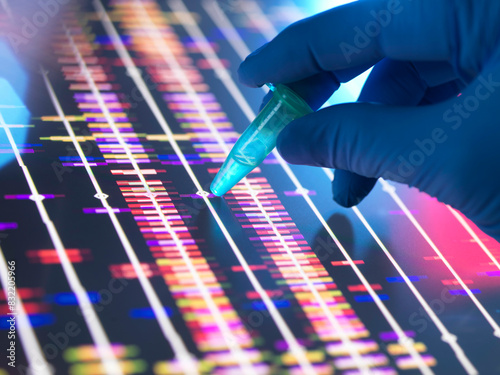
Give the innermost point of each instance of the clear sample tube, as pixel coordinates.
(259, 139)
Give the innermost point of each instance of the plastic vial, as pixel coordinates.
(259, 139)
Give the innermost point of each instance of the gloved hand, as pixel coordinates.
(410, 125)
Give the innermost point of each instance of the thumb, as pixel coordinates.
(371, 140)
(349, 189)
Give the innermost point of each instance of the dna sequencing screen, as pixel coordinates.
(115, 259)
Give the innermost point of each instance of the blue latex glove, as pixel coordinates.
(419, 132)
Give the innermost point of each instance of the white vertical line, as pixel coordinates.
(195, 32)
(473, 234)
(170, 59)
(296, 349)
(29, 341)
(446, 336)
(181, 352)
(97, 332)
(391, 190)
(264, 25)
(240, 47)
(229, 338)
(6, 7)
(227, 29)
(192, 28)
(402, 338)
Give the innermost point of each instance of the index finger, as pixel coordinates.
(353, 35)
